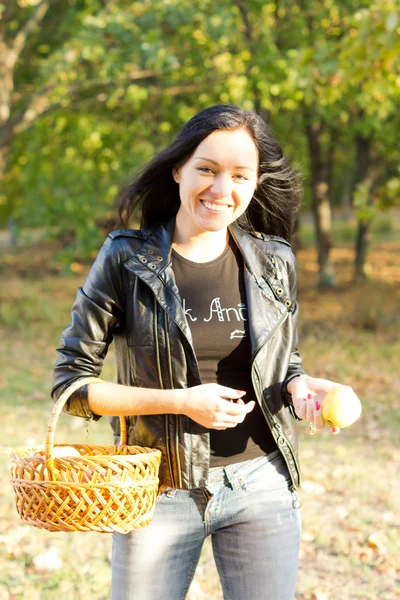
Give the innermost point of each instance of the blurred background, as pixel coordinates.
(89, 91)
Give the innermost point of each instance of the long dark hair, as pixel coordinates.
(276, 198)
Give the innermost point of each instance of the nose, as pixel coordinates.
(222, 186)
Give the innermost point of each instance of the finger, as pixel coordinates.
(227, 392)
(300, 408)
(249, 405)
(335, 430)
(226, 418)
(221, 426)
(309, 401)
(300, 389)
(236, 418)
(300, 392)
(234, 408)
(322, 385)
(318, 420)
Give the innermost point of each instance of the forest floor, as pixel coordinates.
(351, 487)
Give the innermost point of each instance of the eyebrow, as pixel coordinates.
(217, 164)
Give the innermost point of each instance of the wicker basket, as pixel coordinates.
(105, 489)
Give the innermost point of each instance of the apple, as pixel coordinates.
(341, 407)
(89, 475)
(60, 452)
(69, 452)
(64, 452)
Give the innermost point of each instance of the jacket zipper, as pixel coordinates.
(167, 440)
(270, 417)
(172, 387)
(276, 425)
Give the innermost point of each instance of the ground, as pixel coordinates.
(350, 490)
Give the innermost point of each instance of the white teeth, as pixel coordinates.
(216, 207)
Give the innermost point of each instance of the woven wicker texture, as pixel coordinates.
(104, 488)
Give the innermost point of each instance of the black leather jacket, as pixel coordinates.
(130, 296)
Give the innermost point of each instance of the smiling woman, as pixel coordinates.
(201, 304)
(214, 191)
(276, 192)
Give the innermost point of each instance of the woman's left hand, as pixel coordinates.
(308, 394)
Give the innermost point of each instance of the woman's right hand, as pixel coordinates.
(214, 406)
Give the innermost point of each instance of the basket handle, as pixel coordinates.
(55, 413)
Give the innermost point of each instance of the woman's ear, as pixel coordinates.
(176, 174)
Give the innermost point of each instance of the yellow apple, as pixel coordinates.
(341, 407)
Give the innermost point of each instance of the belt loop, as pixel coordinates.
(231, 477)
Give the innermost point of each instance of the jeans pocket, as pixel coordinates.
(270, 473)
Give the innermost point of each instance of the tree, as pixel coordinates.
(369, 62)
(107, 83)
(60, 55)
(293, 49)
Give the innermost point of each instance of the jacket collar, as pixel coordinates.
(152, 264)
(155, 253)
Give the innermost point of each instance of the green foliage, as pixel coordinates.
(368, 203)
(365, 210)
(391, 192)
(112, 82)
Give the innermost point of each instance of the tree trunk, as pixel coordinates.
(4, 150)
(7, 61)
(345, 193)
(6, 137)
(6, 204)
(362, 243)
(363, 146)
(321, 171)
(252, 42)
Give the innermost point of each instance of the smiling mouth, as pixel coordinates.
(219, 208)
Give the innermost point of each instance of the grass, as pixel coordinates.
(383, 228)
(350, 494)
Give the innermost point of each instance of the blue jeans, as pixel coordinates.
(250, 513)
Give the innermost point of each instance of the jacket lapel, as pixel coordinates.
(265, 312)
(152, 264)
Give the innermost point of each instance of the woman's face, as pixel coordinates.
(217, 182)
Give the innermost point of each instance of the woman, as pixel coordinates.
(201, 305)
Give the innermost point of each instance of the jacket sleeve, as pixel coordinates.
(97, 311)
(295, 364)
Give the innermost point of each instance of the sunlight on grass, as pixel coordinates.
(350, 494)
